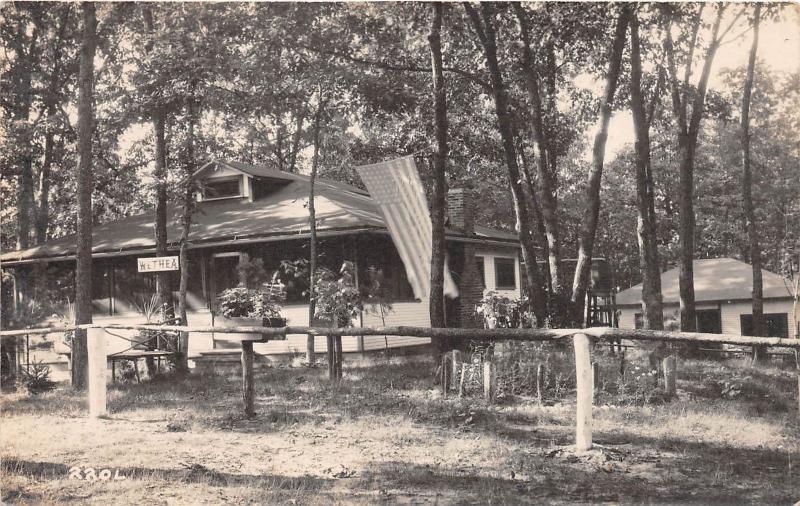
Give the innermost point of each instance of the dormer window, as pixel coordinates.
(222, 188)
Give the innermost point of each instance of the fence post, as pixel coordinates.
(539, 378)
(331, 352)
(96, 347)
(247, 378)
(489, 379)
(337, 341)
(669, 364)
(583, 377)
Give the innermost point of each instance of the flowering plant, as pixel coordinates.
(247, 302)
(499, 311)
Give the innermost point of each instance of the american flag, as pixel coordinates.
(396, 188)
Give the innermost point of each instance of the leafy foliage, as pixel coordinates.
(338, 299)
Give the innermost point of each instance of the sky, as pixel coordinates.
(778, 47)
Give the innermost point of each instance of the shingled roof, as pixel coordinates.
(340, 208)
(715, 279)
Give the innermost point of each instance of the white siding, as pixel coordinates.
(730, 312)
(403, 313)
(731, 324)
(489, 272)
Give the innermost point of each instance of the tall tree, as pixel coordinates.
(583, 269)
(747, 192)
(652, 308)
(688, 130)
(158, 113)
(21, 34)
(187, 211)
(483, 26)
(438, 197)
(83, 274)
(312, 225)
(546, 210)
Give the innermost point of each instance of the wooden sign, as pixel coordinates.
(158, 264)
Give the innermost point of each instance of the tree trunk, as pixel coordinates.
(83, 275)
(583, 269)
(163, 288)
(51, 102)
(311, 356)
(300, 115)
(645, 205)
(486, 34)
(438, 198)
(747, 195)
(190, 164)
(43, 210)
(547, 211)
(687, 144)
(159, 117)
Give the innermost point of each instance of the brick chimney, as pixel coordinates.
(461, 206)
(461, 202)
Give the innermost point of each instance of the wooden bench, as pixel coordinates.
(134, 356)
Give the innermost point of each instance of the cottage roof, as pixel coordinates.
(340, 208)
(715, 279)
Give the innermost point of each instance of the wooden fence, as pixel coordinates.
(582, 339)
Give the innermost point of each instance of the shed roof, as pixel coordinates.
(339, 208)
(715, 279)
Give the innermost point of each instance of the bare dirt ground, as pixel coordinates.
(385, 436)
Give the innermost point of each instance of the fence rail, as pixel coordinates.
(582, 344)
(498, 334)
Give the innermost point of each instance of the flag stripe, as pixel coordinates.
(396, 188)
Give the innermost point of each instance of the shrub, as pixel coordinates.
(36, 379)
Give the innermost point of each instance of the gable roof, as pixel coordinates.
(340, 208)
(715, 279)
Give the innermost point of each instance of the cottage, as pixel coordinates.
(250, 211)
(724, 301)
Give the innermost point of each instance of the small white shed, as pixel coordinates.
(724, 301)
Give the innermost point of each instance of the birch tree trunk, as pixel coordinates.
(482, 23)
(583, 269)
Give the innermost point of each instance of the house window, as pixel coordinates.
(505, 273)
(638, 320)
(777, 324)
(222, 188)
(481, 271)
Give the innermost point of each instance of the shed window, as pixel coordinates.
(777, 324)
(505, 273)
(638, 320)
(222, 188)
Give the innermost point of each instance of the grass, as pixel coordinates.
(385, 435)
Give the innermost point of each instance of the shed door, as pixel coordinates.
(709, 321)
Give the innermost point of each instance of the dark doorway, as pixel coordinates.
(709, 321)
